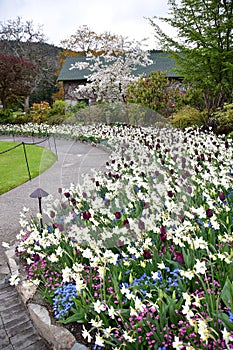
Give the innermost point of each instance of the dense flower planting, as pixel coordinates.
(142, 254)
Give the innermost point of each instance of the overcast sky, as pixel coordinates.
(61, 18)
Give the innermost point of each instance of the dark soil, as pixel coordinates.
(74, 327)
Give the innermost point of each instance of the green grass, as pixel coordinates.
(13, 167)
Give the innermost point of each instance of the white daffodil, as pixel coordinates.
(86, 334)
(98, 307)
(177, 344)
(200, 267)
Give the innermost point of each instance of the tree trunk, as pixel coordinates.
(26, 104)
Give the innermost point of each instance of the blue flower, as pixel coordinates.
(230, 316)
(63, 300)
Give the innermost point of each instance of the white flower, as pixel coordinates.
(96, 323)
(128, 337)
(188, 274)
(177, 344)
(203, 330)
(200, 267)
(102, 271)
(111, 312)
(227, 336)
(39, 216)
(87, 253)
(107, 332)
(86, 334)
(14, 279)
(53, 257)
(80, 285)
(161, 266)
(99, 340)
(199, 242)
(66, 274)
(187, 298)
(98, 307)
(5, 245)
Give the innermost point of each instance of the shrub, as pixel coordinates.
(187, 116)
(223, 119)
(40, 112)
(5, 116)
(58, 108)
(79, 105)
(154, 92)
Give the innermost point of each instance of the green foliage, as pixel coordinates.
(204, 50)
(223, 118)
(58, 108)
(5, 116)
(153, 92)
(187, 116)
(79, 105)
(192, 97)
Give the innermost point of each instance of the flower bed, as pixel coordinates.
(142, 253)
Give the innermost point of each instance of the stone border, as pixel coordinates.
(58, 337)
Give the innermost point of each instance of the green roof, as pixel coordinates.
(161, 61)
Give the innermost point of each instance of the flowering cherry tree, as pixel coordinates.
(111, 73)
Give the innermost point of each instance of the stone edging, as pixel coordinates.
(58, 337)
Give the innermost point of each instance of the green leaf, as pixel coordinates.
(225, 319)
(79, 316)
(227, 294)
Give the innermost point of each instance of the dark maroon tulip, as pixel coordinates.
(36, 257)
(86, 215)
(179, 257)
(162, 230)
(73, 201)
(171, 171)
(181, 217)
(163, 237)
(67, 194)
(222, 196)
(117, 215)
(52, 214)
(126, 223)
(147, 254)
(120, 244)
(209, 213)
(141, 225)
(170, 194)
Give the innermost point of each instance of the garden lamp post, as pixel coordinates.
(39, 193)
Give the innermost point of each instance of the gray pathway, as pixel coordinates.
(74, 160)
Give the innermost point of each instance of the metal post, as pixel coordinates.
(26, 159)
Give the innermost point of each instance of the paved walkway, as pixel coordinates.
(74, 160)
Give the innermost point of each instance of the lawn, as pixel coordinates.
(13, 164)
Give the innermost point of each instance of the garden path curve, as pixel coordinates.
(74, 160)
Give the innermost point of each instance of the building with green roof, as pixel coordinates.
(73, 78)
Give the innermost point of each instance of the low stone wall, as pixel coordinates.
(55, 335)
